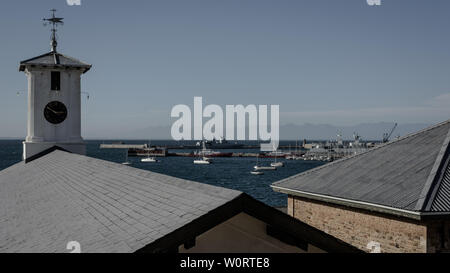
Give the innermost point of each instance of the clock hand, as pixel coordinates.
(51, 110)
(56, 112)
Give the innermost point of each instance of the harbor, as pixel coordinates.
(230, 172)
(326, 151)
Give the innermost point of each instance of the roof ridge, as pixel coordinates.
(73, 58)
(37, 57)
(44, 153)
(368, 151)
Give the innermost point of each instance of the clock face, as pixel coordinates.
(55, 112)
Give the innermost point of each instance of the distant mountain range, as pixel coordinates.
(368, 131)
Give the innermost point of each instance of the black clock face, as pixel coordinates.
(55, 112)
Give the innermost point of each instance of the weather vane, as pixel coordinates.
(54, 22)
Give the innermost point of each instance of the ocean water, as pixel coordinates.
(233, 173)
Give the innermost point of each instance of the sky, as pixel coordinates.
(338, 62)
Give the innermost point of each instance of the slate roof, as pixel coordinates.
(54, 59)
(404, 176)
(108, 207)
(100, 204)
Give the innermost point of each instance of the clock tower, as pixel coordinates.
(54, 100)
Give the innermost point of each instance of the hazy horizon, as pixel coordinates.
(368, 131)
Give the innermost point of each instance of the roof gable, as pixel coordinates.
(55, 59)
(399, 174)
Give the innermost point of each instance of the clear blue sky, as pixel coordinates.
(338, 62)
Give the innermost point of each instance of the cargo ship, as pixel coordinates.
(220, 144)
(148, 151)
(206, 152)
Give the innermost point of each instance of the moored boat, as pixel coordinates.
(202, 161)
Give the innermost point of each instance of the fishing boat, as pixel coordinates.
(149, 159)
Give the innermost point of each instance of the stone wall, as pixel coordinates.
(371, 232)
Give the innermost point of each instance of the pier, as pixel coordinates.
(123, 146)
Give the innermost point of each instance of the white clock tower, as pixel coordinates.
(54, 100)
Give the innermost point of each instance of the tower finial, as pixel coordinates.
(54, 21)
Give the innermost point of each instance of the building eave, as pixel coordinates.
(82, 65)
(414, 215)
(84, 68)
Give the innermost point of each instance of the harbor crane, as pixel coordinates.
(387, 136)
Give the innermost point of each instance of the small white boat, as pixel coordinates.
(256, 173)
(149, 160)
(203, 161)
(257, 168)
(126, 163)
(264, 168)
(277, 164)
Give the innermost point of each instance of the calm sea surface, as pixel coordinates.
(233, 173)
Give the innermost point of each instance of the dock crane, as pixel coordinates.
(387, 136)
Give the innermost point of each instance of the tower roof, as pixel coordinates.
(408, 177)
(55, 60)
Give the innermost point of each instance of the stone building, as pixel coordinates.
(392, 198)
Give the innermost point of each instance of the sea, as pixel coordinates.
(232, 173)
